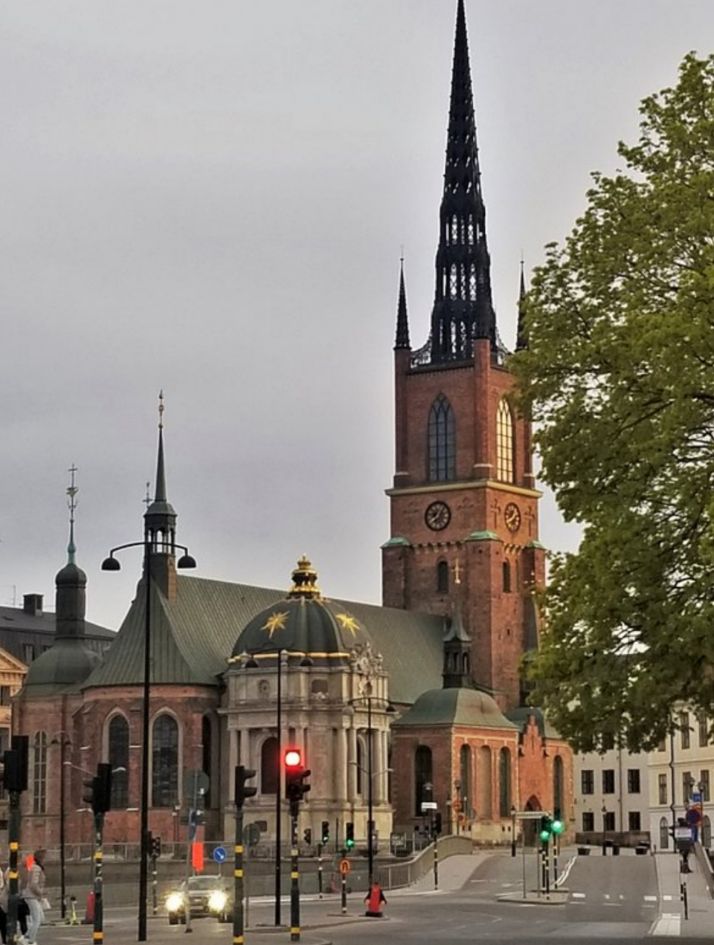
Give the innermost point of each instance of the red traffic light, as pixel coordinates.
(293, 758)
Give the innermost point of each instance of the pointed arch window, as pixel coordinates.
(506, 568)
(485, 801)
(39, 773)
(118, 754)
(504, 442)
(441, 441)
(422, 776)
(269, 767)
(164, 762)
(453, 281)
(207, 754)
(442, 577)
(467, 798)
(558, 783)
(504, 782)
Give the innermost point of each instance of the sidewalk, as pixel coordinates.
(454, 872)
(671, 920)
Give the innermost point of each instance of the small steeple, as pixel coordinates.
(305, 580)
(70, 581)
(160, 517)
(457, 644)
(402, 340)
(463, 306)
(521, 334)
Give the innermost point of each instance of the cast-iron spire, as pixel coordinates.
(463, 307)
(521, 334)
(402, 340)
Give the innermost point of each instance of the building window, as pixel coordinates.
(4, 739)
(441, 441)
(587, 781)
(558, 781)
(165, 763)
(269, 767)
(704, 785)
(506, 567)
(633, 781)
(634, 821)
(39, 773)
(608, 820)
(703, 731)
(663, 834)
(484, 807)
(206, 755)
(608, 741)
(28, 652)
(504, 442)
(608, 781)
(465, 775)
(588, 821)
(504, 782)
(687, 786)
(662, 788)
(662, 745)
(442, 577)
(359, 767)
(422, 777)
(118, 739)
(684, 726)
(4, 695)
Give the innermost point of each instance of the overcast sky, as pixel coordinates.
(210, 198)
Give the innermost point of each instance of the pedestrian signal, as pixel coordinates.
(325, 832)
(349, 836)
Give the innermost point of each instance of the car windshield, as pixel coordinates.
(204, 882)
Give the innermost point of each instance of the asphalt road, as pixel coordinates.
(610, 899)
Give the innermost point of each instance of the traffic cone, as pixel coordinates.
(89, 910)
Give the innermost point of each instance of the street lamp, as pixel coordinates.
(63, 741)
(604, 830)
(112, 564)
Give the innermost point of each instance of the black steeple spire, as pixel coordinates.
(160, 517)
(402, 340)
(463, 307)
(521, 334)
(71, 581)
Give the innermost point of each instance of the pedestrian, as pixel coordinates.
(374, 899)
(34, 896)
(22, 910)
(3, 906)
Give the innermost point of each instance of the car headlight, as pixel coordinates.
(174, 902)
(217, 900)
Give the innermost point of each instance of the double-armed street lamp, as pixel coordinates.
(62, 740)
(112, 564)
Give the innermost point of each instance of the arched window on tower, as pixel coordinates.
(484, 808)
(207, 755)
(558, 784)
(422, 775)
(118, 754)
(39, 773)
(504, 442)
(164, 762)
(504, 783)
(269, 767)
(467, 798)
(441, 441)
(506, 567)
(442, 577)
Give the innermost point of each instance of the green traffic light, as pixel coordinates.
(544, 836)
(349, 844)
(557, 826)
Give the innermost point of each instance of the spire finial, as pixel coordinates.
(72, 491)
(402, 339)
(147, 500)
(160, 494)
(161, 410)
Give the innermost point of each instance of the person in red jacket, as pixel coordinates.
(374, 899)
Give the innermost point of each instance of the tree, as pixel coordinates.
(618, 376)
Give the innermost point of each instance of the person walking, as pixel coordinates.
(34, 896)
(3, 906)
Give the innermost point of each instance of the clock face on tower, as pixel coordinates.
(437, 516)
(512, 517)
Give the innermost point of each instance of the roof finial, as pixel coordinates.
(72, 491)
(161, 410)
(147, 498)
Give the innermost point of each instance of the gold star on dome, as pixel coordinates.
(348, 623)
(275, 622)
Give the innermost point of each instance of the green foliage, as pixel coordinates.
(619, 379)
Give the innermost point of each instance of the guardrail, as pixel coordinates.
(395, 875)
(706, 867)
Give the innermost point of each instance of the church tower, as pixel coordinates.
(464, 493)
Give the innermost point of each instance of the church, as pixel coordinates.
(421, 699)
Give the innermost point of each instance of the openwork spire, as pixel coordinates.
(160, 494)
(402, 340)
(463, 306)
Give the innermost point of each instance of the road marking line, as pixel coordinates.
(650, 899)
(668, 898)
(578, 895)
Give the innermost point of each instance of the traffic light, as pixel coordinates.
(349, 835)
(437, 822)
(155, 847)
(546, 826)
(557, 826)
(325, 832)
(15, 764)
(98, 791)
(296, 775)
(307, 836)
(243, 790)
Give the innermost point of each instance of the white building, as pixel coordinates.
(611, 793)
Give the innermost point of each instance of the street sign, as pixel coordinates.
(696, 798)
(345, 867)
(682, 833)
(530, 814)
(219, 854)
(428, 805)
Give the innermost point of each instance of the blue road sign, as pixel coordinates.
(219, 854)
(696, 798)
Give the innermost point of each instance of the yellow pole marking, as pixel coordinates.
(294, 875)
(238, 848)
(238, 873)
(14, 846)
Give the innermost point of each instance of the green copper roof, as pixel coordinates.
(61, 668)
(194, 636)
(483, 536)
(468, 707)
(398, 541)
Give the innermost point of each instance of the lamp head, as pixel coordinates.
(186, 561)
(111, 564)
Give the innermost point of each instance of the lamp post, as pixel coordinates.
(112, 564)
(604, 830)
(63, 741)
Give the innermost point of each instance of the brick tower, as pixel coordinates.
(463, 501)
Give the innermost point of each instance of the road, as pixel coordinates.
(609, 899)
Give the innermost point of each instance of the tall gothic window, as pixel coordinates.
(441, 441)
(484, 807)
(442, 577)
(269, 767)
(558, 783)
(164, 762)
(504, 783)
(504, 442)
(39, 773)
(422, 775)
(207, 755)
(118, 739)
(467, 798)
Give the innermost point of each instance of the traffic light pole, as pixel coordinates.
(98, 934)
(13, 837)
(319, 871)
(294, 875)
(238, 924)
